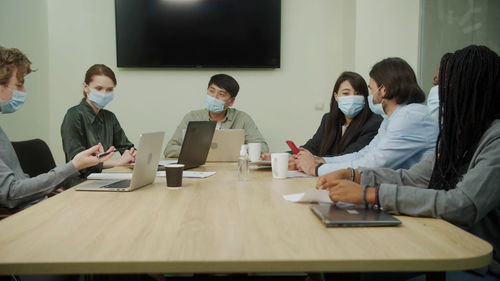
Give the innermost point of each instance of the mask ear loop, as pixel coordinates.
(378, 89)
(87, 94)
(229, 102)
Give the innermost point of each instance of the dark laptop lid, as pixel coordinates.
(196, 143)
(333, 215)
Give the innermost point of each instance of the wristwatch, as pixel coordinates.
(317, 167)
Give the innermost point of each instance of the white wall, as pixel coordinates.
(320, 39)
(23, 24)
(386, 28)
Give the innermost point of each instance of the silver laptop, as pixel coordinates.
(332, 215)
(226, 145)
(146, 163)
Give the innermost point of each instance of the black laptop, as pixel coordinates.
(332, 216)
(196, 143)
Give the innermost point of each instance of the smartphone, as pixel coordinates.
(292, 146)
(105, 153)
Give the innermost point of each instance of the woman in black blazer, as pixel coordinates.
(349, 126)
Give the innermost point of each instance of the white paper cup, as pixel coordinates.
(254, 151)
(279, 164)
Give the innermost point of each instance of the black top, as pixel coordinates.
(360, 140)
(82, 128)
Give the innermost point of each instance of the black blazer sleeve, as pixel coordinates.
(313, 144)
(366, 134)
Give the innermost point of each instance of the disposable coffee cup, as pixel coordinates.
(254, 151)
(279, 165)
(174, 175)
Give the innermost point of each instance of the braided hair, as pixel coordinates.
(469, 101)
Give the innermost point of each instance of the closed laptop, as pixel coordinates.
(332, 216)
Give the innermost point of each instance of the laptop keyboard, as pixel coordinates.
(118, 184)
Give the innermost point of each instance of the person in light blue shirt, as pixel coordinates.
(405, 136)
(433, 103)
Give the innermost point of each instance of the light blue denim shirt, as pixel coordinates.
(433, 103)
(402, 141)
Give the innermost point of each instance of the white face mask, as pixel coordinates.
(14, 103)
(100, 99)
(214, 105)
(351, 105)
(376, 108)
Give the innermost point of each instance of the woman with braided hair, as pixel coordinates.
(459, 182)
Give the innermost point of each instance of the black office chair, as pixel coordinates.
(35, 159)
(34, 156)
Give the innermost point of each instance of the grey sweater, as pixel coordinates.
(474, 204)
(16, 188)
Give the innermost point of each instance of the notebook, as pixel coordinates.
(332, 216)
(226, 145)
(144, 173)
(196, 143)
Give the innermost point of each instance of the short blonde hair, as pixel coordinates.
(10, 60)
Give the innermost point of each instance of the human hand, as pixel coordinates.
(55, 192)
(305, 162)
(265, 156)
(133, 152)
(88, 158)
(291, 162)
(325, 181)
(350, 192)
(346, 191)
(320, 160)
(127, 157)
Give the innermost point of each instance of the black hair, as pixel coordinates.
(399, 80)
(225, 82)
(336, 118)
(469, 84)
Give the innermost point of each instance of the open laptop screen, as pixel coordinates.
(196, 143)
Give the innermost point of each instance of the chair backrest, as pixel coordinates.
(34, 156)
(35, 159)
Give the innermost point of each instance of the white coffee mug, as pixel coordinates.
(279, 164)
(254, 151)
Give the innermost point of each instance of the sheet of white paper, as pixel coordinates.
(297, 174)
(314, 196)
(310, 196)
(161, 174)
(166, 162)
(189, 174)
(110, 176)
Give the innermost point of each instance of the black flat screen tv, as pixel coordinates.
(198, 33)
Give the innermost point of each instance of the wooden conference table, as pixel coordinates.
(219, 224)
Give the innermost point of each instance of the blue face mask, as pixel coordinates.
(376, 108)
(100, 99)
(433, 102)
(214, 105)
(14, 103)
(351, 105)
